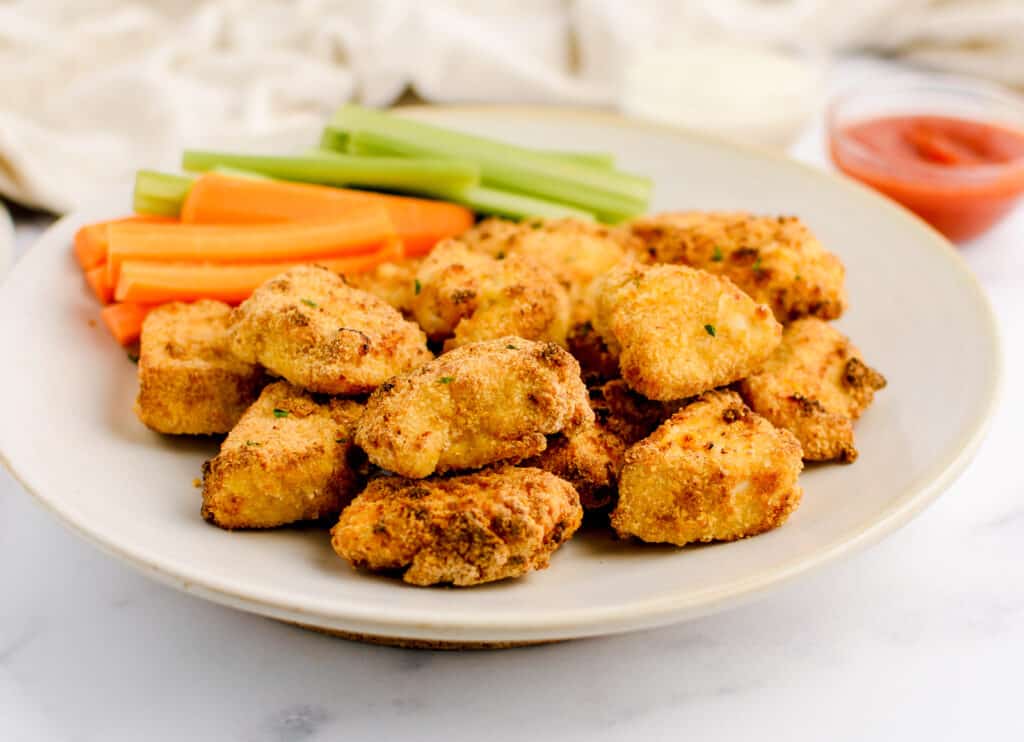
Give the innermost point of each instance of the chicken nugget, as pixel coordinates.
(462, 530)
(679, 331)
(308, 327)
(589, 459)
(576, 252)
(714, 472)
(815, 385)
(774, 259)
(290, 458)
(480, 403)
(189, 381)
(393, 281)
(467, 296)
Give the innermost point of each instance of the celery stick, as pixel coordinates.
(502, 165)
(606, 207)
(160, 194)
(600, 160)
(239, 173)
(151, 206)
(336, 140)
(484, 200)
(426, 176)
(332, 139)
(163, 185)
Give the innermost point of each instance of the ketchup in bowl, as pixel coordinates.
(956, 157)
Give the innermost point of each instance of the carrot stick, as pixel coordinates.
(91, 240)
(359, 231)
(124, 320)
(157, 282)
(97, 280)
(220, 199)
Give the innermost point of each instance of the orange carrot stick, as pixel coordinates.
(154, 283)
(359, 231)
(91, 240)
(97, 280)
(221, 199)
(124, 320)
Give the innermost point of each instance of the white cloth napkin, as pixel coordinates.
(92, 90)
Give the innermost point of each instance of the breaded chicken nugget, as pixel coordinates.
(589, 459)
(189, 381)
(714, 472)
(467, 296)
(480, 403)
(815, 385)
(463, 530)
(576, 252)
(394, 282)
(679, 331)
(307, 326)
(774, 259)
(290, 458)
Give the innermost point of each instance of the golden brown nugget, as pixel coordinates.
(774, 259)
(589, 459)
(714, 472)
(393, 281)
(307, 326)
(462, 530)
(679, 331)
(480, 403)
(290, 458)
(576, 252)
(189, 381)
(815, 385)
(467, 296)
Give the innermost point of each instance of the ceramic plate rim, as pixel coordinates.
(673, 605)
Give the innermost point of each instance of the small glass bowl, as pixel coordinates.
(961, 201)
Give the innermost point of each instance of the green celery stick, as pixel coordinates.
(485, 200)
(332, 139)
(508, 175)
(160, 194)
(239, 173)
(599, 160)
(336, 140)
(502, 165)
(427, 176)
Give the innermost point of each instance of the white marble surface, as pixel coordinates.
(921, 638)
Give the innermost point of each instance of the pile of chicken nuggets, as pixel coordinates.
(459, 417)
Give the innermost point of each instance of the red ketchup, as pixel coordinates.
(959, 175)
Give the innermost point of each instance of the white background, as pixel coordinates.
(922, 637)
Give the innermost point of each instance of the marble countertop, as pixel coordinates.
(921, 637)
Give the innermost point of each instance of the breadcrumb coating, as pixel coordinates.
(394, 282)
(189, 381)
(679, 331)
(466, 296)
(777, 260)
(478, 404)
(307, 326)
(461, 530)
(716, 471)
(290, 458)
(574, 251)
(816, 385)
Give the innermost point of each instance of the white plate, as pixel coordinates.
(68, 432)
